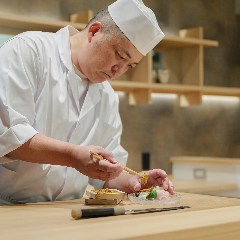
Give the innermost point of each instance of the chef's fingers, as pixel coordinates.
(165, 183)
(156, 173)
(161, 182)
(108, 167)
(171, 188)
(168, 186)
(106, 154)
(135, 184)
(105, 176)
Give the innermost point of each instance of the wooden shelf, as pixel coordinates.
(128, 86)
(186, 49)
(221, 91)
(173, 42)
(18, 24)
(38, 24)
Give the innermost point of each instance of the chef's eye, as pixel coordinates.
(120, 55)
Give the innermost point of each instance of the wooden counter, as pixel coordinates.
(201, 186)
(205, 160)
(209, 217)
(224, 171)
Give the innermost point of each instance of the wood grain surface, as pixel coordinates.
(209, 217)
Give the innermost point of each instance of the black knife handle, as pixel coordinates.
(97, 212)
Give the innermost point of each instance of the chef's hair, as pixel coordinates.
(109, 26)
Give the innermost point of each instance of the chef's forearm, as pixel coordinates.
(44, 150)
(121, 183)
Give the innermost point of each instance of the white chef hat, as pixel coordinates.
(138, 23)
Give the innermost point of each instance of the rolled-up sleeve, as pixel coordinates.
(19, 71)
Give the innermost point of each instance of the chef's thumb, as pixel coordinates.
(135, 186)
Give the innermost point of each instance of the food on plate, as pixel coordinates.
(102, 191)
(156, 193)
(144, 178)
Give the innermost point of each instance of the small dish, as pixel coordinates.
(116, 195)
(171, 199)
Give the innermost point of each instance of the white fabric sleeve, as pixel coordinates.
(113, 144)
(18, 83)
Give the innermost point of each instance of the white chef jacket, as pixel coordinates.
(41, 93)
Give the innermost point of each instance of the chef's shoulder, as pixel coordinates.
(36, 40)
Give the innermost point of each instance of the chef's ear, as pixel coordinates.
(94, 29)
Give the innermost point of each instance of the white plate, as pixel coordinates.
(171, 199)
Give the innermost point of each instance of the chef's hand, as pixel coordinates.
(156, 177)
(85, 163)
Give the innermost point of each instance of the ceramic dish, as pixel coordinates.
(171, 199)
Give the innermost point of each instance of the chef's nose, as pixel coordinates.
(118, 69)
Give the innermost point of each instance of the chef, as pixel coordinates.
(56, 106)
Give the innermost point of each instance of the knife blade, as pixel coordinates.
(156, 209)
(101, 212)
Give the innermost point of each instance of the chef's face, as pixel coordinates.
(108, 57)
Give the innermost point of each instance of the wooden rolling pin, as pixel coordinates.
(144, 176)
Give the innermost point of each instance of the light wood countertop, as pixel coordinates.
(201, 186)
(205, 160)
(209, 217)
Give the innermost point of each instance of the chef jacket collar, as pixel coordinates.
(93, 95)
(82, 76)
(65, 51)
(64, 45)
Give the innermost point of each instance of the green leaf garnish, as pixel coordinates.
(152, 187)
(152, 194)
(137, 194)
